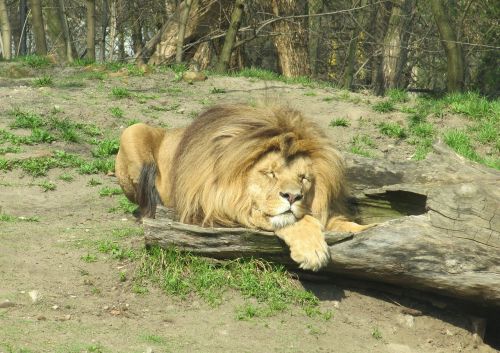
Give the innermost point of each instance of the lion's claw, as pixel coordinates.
(311, 256)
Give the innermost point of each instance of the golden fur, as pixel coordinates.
(267, 168)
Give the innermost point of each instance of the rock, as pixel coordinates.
(7, 304)
(41, 318)
(149, 350)
(34, 295)
(64, 318)
(191, 76)
(398, 348)
(406, 320)
(55, 307)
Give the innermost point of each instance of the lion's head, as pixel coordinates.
(257, 167)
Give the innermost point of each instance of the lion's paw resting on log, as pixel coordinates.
(266, 168)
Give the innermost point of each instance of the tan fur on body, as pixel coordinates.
(267, 168)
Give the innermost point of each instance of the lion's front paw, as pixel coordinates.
(310, 254)
(307, 243)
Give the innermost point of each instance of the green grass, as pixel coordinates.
(106, 148)
(267, 75)
(36, 61)
(120, 92)
(115, 251)
(117, 112)
(460, 142)
(384, 106)
(339, 122)
(108, 191)
(397, 95)
(150, 338)
(89, 258)
(180, 274)
(94, 182)
(10, 149)
(124, 205)
(392, 130)
(44, 81)
(26, 120)
(66, 177)
(47, 185)
(216, 90)
(472, 105)
(376, 333)
(127, 232)
(362, 145)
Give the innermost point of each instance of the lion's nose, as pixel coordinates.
(291, 197)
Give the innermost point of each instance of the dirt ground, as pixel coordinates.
(59, 301)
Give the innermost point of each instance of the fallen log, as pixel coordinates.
(439, 229)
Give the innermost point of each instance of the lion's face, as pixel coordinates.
(281, 190)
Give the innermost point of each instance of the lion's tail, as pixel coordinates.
(147, 195)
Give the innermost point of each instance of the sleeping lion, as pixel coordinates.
(266, 168)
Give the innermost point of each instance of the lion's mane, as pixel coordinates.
(217, 150)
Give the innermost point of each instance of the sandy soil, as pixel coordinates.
(60, 303)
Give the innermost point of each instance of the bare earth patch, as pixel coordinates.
(59, 293)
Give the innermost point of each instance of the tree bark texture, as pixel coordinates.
(91, 30)
(23, 11)
(291, 39)
(453, 50)
(203, 17)
(395, 50)
(182, 30)
(58, 30)
(439, 230)
(314, 7)
(230, 38)
(6, 31)
(379, 28)
(348, 77)
(38, 27)
(136, 25)
(104, 28)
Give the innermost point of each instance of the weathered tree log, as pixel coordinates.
(439, 230)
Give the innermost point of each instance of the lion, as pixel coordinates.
(259, 167)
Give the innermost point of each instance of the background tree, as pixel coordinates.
(38, 27)
(182, 30)
(229, 39)
(91, 30)
(453, 49)
(6, 33)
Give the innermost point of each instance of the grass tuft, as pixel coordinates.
(384, 106)
(120, 92)
(44, 81)
(180, 273)
(339, 122)
(392, 130)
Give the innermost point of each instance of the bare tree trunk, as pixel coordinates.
(227, 48)
(395, 51)
(137, 39)
(23, 10)
(315, 6)
(104, 28)
(70, 47)
(6, 32)
(453, 50)
(58, 30)
(353, 47)
(112, 30)
(291, 43)
(38, 27)
(381, 21)
(91, 29)
(182, 30)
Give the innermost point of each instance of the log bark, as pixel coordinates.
(439, 230)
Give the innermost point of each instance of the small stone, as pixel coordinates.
(149, 350)
(41, 318)
(55, 307)
(64, 318)
(7, 304)
(115, 312)
(336, 304)
(449, 333)
(34, 295)
(105, 307)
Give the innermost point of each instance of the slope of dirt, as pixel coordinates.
(65, 296)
